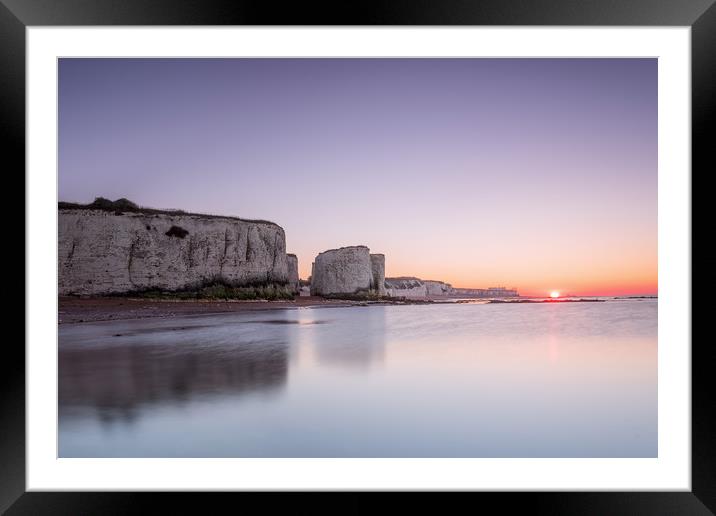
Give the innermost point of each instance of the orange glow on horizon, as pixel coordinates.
(639, 277)
(533, 268)
(554, 294)
(570, 275)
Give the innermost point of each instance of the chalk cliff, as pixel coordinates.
(405, 287)
(377, 266)
(105, 251)
(293, 280)
(348, 270)
(438, 288)
(416, 288)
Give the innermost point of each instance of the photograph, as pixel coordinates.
(378, 257)
(396, 247)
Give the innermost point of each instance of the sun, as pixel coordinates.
(554, 294)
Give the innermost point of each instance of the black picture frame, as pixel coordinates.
(700, 15)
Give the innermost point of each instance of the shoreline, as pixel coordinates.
(77, 310)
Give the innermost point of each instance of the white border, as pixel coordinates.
(670, 471)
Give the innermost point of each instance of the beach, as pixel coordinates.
(94, 309)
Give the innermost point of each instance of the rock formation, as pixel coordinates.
(411, 287)
(377, 267)
(348, 271)
(438, 288)
(293, 280)
(122, 248)
(405, 287)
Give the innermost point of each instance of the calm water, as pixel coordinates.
(467, 380)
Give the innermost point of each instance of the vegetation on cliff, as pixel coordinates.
(217, 290)
(363, 295)
(121, 206)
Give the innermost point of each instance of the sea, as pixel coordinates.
(467, 379)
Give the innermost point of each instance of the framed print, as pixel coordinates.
(402, 249)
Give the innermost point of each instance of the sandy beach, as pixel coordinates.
(92, 309)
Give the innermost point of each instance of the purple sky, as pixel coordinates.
(533, 173)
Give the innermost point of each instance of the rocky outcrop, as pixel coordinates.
(411, 287)
(347, 271)
(342, 271)
(293, 280)
(405, 287)
(108, 250)
(377, 267)
(438, 288)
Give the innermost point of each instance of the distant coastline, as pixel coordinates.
(121, 261)
(118, 248)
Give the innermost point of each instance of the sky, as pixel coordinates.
(537, 174)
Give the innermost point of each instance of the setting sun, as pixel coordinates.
(554, 294)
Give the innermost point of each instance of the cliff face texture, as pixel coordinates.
(342, 271)
(416, 288)
(348, 270)
(292, 263)
(438, 288)
(405, 287)
(103, 252)
(377, 267)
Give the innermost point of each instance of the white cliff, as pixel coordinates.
(347, 271)
(377, 265)
(438, 288)
(101, 251)
(293, 279)
(410, 287)
(405, 287)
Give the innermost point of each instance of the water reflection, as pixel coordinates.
(116, 375)
(360, 347)
(469, 380)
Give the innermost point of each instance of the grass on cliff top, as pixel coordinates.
(375, 298)
(371, 295)
(220, 292)
(123, 205)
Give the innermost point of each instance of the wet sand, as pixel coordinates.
(78, 310)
